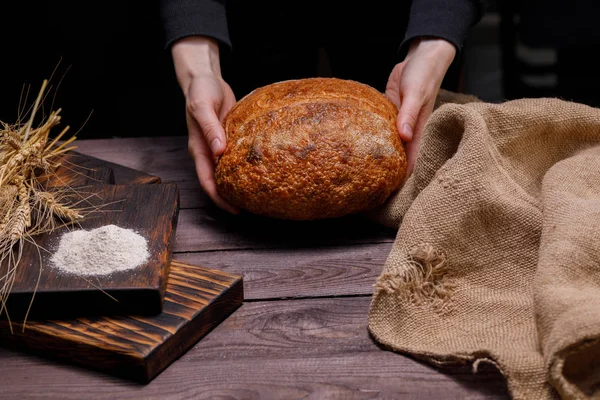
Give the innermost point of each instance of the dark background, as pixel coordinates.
(110, 56)
(115, 73)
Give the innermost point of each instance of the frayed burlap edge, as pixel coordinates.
(423, 278)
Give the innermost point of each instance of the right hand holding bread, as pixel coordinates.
(208, 98)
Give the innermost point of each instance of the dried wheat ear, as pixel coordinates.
(28, 206)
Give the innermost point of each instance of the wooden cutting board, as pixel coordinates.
(135, 347)
(197, 299)
(149, 209)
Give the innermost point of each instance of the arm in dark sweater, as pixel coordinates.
(446, 19)
(183, 18)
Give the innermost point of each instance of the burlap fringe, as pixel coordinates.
(422, 279)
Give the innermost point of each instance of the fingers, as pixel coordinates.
(205, 167)
(412, 147)
(392, 89)
(209, 125)
(416, 106)
(409, 113)
(228, 101)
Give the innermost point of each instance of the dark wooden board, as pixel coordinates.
(77, 177)
(78, 170)
(97, 176)
(139, 348)
(77, 164)
(152, 211)
(295, 349)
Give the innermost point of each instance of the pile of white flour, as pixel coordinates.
(100, 251)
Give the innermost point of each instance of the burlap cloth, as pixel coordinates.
(497, 256)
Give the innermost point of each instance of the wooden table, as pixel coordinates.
(302, 331)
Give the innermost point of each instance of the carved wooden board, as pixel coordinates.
(76, 168)
(151, 211)
(197, 299)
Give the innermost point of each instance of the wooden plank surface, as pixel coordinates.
(314, 348)
(300, 272)
(150, 210)
(202, 231)
(197, 299)
(165, 157)
(296, 347)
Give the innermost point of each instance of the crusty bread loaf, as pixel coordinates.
(310, 149)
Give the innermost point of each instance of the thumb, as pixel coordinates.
(210, 126)
(408, 116)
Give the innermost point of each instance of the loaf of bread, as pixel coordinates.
(310, 149)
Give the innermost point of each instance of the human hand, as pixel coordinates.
(208, 98)
(413, 86)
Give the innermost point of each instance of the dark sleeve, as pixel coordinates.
(183, 18)
(446, 19)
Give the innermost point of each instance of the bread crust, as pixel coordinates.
(311, 149)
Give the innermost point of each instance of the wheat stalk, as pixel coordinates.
(27, 206)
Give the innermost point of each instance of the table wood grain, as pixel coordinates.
(302, 330)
